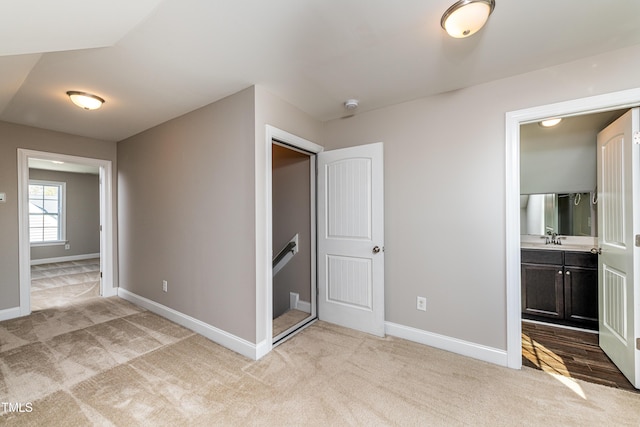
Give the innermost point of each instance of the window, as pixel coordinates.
(46, 212)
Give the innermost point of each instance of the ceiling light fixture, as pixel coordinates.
(85, 100)
(550, 122)
(351, 104)
(466, 17)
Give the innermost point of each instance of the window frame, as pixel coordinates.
(62, 212)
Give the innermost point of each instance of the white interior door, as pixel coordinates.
(351, 238)
(618, 223)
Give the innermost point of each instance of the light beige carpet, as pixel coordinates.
(60, 283)
(286, 320)
(107, 362)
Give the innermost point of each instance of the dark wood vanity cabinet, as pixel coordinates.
(560, 287)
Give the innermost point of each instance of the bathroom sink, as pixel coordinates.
(563, 247)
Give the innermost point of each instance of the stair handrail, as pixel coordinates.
(283, 253)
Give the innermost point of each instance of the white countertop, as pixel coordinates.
(568, 243)
(563, 247)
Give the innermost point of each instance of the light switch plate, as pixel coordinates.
(3, 197)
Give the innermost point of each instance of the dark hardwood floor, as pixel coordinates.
(574, 354)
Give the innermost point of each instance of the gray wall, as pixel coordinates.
(186, 197)
(271, 110)
(559, 162)
(82, 214)
(291, 214)
(12, 137)
(445, 191)
(189, 209)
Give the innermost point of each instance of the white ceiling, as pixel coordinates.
(580, 129)
(62, 166)
(153, 60)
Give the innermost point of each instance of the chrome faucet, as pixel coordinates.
(554, 240)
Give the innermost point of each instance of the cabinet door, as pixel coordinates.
(542, 290)
(581, 295)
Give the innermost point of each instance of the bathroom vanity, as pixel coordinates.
(560, 286)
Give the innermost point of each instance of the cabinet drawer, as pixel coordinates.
(534, 256)
(581, 259)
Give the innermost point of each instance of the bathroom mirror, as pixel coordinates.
(566, 214)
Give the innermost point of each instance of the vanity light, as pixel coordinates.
(85, 100)
(466, 17)
(550, 122)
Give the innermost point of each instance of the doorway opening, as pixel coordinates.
(28, 206)
(64, 232)
(293, 237)
(609, 102)
(265, 276)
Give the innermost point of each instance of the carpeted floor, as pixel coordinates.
(286, 320)
(60, 283)
(106, 362)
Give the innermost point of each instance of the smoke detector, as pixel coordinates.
(351, 104)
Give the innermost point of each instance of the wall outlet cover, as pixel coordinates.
(421, 304)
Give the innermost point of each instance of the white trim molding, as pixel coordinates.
(64, 259)
(108, 284)
(264, 229)
(9, 313)
(593, 104)
(454, 345)
(225, 339)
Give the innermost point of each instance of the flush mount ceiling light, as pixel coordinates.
(466, 17)
(550, 122)
(85, 100)
(351, 104)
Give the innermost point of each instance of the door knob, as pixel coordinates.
(376, 249)
(595, 251)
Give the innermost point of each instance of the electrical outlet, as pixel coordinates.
(67, 247)
(165, 286)
(421, 304)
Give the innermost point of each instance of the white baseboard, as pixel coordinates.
(225, 339)
(295, 303)
(304, 306)
(454, 345)
(109, 291)
(263, 348)
(64, 259)
(9, 313)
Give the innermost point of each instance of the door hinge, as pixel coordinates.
(100, 228)
(638, 343)
(636, 137)
(638, 240)
(101, 274)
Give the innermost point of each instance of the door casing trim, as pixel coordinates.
(264, 276)
(108, 285)
(513, 120)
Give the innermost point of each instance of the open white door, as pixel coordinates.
(618, 210)
(351, 238)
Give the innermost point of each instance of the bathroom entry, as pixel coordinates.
(293, 238)
(554, 162)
